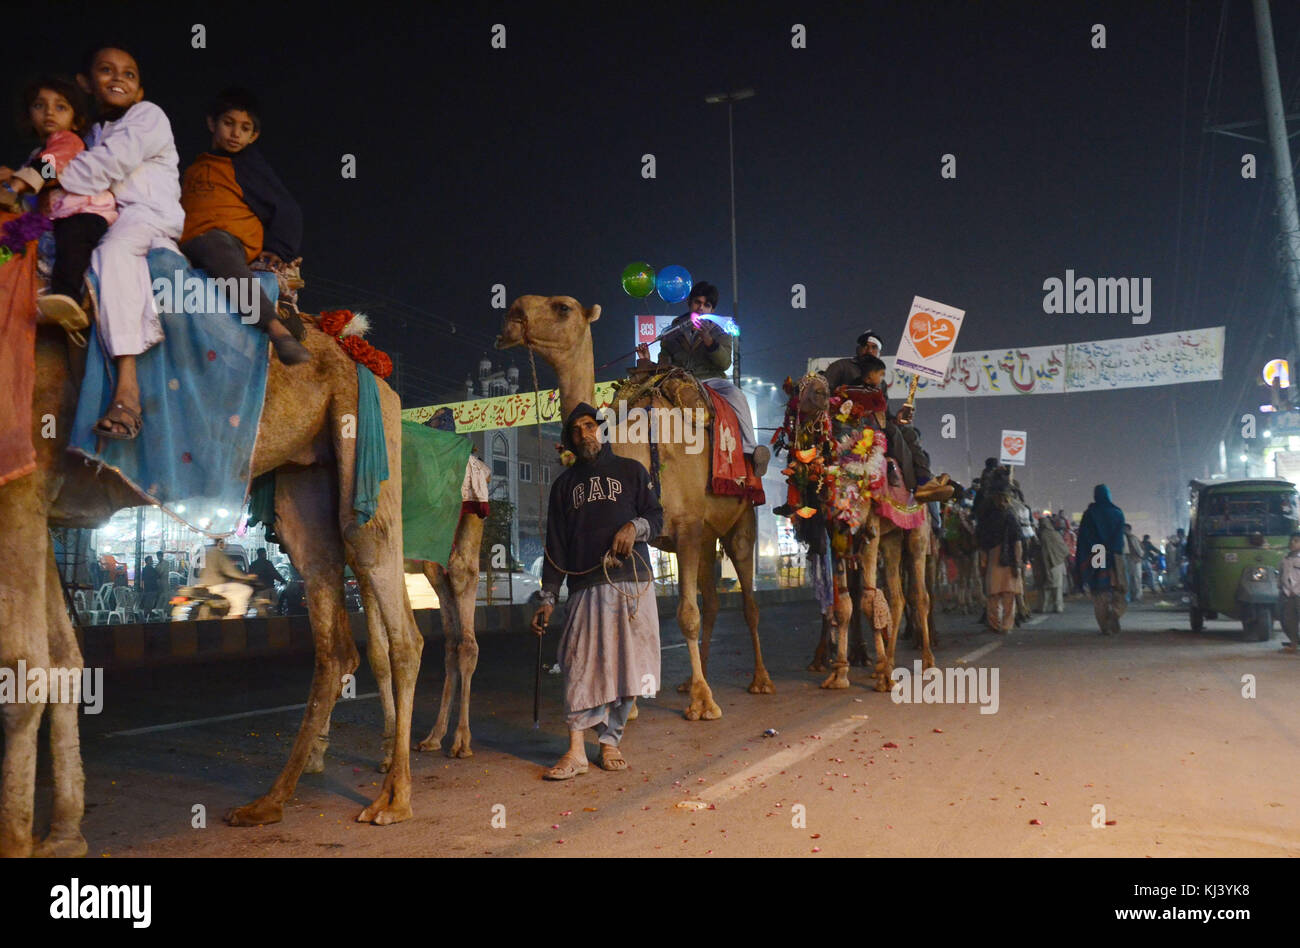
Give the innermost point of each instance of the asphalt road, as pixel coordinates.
(1152, 726)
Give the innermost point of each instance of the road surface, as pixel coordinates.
(1140, 745)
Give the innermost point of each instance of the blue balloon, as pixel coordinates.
(673, 284)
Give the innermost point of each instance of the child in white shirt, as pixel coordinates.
(132, 154)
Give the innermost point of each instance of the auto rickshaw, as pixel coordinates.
(1240, 531)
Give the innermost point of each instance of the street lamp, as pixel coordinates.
(729, 98)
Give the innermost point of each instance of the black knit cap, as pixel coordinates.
(582, 409)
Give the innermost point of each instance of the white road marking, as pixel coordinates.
(221, 717)
(982, 650)
(749, 778)
(664, 648)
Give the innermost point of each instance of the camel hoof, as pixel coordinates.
(385, 814)
(258, 813)
(882, 685)
(460, 746)
(927, 660)
(64, 847)
(431, 743)
(702, 710)
(817, 666)
(762, 686)
(837, 679)
(634, 713)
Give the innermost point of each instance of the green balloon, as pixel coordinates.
(638, 280)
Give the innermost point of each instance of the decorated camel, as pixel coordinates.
(558, 328)
(302, 437)
(839, 455)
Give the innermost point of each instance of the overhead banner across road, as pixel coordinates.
(1165, 359)
(504, 411)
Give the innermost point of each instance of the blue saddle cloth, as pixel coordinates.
(201, 392)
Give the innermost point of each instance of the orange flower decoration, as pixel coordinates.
(372, 358)
(333, 321)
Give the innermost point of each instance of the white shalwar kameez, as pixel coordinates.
(135, 158)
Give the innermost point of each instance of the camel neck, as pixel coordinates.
(576, 370)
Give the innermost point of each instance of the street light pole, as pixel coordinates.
(730, 98)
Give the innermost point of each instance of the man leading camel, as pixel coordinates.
(609, 649)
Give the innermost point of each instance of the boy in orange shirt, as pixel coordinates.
(236, 210)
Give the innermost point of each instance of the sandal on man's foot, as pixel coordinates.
(566, 769)
(119, 416)
(611, 759)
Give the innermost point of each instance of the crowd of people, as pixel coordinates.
(994, 527)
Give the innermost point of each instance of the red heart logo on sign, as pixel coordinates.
(1013, 446)
(930, 335)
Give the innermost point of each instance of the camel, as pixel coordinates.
(863, 550)
(301, 438)
(558, 328)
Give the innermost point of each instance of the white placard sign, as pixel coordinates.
(929, 338)
(1014, 446)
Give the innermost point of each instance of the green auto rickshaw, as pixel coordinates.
(1239, 533)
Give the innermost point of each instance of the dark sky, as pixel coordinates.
(522, 166)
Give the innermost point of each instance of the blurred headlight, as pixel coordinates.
(1259, 573)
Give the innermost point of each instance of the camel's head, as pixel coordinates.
(814, 394)
(547, 324)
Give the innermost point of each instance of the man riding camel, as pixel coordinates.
(903, 442)
(704, 349)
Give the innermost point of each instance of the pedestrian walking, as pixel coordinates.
(1001, 555)
(1100, 559)
(1054, 554)
(1132, 564)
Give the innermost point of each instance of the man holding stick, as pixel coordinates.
(602, 511)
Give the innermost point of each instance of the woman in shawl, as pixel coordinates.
(998, 533)
(1099, 561)
(1054, 553)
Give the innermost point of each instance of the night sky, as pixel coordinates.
(522, 166)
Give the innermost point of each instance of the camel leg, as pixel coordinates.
(739, 545)
(457, 587)
(918, 542)
(893, 555)
(884, 650)
(377, 647)
(23, 637)
(441, 584)
(857, 647)
(818, 663)
(708, 613)
(306, 503)
(841, 610)
(393, 803)
(65, 839)
(690, 549)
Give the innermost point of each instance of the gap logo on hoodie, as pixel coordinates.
(596, 488)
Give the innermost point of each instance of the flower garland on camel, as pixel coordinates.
(347, 329)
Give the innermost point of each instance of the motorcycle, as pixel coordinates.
(195, 603)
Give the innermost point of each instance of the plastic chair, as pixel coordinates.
(125, 597)
(104, 598)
